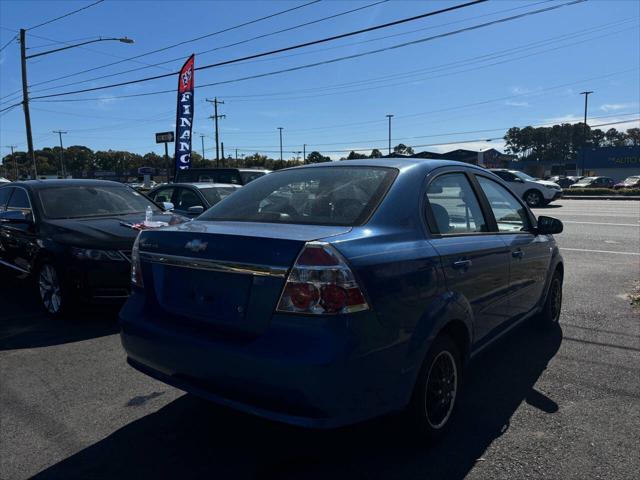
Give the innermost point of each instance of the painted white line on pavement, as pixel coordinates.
(598, 251)
(597, 223)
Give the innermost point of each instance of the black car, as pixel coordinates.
(73, 236)
(236, 176)
(594, 182)
(191, 199)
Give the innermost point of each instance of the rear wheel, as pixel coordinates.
(553, 305)
(50, 290)
(437, 388)
(533, 198)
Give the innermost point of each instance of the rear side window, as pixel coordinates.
(162, 195)
(4, 197)
(344, 196)
(454, 205)
(510, 215)
(19, 200)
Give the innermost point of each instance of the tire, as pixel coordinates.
(50, 291)
(550, 314)
(533, 198)
(432, 406)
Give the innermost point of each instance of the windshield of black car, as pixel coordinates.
(92, 201)
(344, 196)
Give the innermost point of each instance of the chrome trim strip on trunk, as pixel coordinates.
(214, 265)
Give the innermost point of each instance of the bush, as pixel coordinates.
(601, 191)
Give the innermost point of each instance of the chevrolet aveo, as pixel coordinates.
(328, 294)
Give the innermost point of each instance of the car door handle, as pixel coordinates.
(462, 264)
(517, 253)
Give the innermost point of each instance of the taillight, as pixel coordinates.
(321, 283)
(136, 267)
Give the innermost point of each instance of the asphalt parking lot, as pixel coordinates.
(543, 404)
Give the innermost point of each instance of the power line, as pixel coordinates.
(244, 24)
(292, 47)
(8, 43)
(210, 50)
(65, 15)
(291, 69)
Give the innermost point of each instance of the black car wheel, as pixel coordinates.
(50, 290)
(437, 389)
(533, 198)
(553, 305)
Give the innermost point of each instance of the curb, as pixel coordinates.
(600, 197)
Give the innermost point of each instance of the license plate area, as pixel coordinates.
(209, 296)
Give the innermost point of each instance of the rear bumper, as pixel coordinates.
(301, 371)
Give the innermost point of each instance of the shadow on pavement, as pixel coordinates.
(23, 324)
(190, 438)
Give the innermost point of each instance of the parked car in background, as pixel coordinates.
(564, 182)
(191, 199)
(4, 180)
(594, 182)
(210, 175)
(536, 193)
(249, 174)
(629, 182)
(73, 237)
(327, 294)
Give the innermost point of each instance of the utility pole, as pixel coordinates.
(280, 128)
(202, 139)
(25, 101)
(15, 162)
(389, 117)
(236, 155)
(25, 92)
(222, 151)
(304, 153)
(60, 133)
(215, 117)
(584, 147)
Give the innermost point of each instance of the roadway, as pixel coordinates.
(563, 403)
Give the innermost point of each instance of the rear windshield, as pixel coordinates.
(92, 201)
(210, 176)
(344, 196)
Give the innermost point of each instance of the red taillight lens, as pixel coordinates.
(321, 283)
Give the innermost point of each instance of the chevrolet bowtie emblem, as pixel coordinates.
(196, 246)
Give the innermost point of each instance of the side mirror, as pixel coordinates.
(16, 216)
(167, 206)
(196, 209)
(548, 225)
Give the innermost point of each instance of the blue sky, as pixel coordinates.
(527, 71)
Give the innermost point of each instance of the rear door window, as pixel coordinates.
(162, 195)
(345, 196)
(187, 198)
(19, 200)
(454, 206)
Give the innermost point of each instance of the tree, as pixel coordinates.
(375, 153)
(317, 157)
(402, 149)
(355, 156)
(633, 135)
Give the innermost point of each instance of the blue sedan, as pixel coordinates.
(328, 294)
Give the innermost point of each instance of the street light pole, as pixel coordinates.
(389, 117)
(584, 146)
(304, 153)
(60, 133)
(25, 91)
(280, 128)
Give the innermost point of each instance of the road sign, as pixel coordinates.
(146, 171)
(164, 137)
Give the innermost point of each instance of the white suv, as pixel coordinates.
(536, 193)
